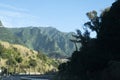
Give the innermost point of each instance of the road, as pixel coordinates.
(29, 77)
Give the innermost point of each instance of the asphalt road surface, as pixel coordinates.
(29, 77)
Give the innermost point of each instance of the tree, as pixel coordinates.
(95, 22)
(86, 58)
(81, 38)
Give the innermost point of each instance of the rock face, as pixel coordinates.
(1, 25)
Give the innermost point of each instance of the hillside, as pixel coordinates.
(46, 39)
(19, 59)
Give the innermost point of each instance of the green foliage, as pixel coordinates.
(19, 59)
(91, 15)
(55, 63)
(1, 50)
(42, 56)
(32, 63)
(7, 35)
(11, 62)
(12, 57)
(4, 53)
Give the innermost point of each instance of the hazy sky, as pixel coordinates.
(65, 15)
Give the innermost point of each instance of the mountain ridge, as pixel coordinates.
(46, 39)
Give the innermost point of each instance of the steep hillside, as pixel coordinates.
(7, 35)
(19, 59)
(46, 39)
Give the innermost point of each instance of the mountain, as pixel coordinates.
(20, 59)
(7, 35)
(1, 25)
(45, 39)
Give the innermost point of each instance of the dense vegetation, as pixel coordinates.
(98, 58)
(19, 59)
(48, 40)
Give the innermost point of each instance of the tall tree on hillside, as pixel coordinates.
(95, 22)
(81, 38)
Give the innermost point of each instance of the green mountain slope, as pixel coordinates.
(7, 35)
(19, 59)
(46, 39)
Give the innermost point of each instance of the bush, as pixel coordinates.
(32, 63)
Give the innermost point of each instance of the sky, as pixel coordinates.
(64, 15)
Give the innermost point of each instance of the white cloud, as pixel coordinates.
(10, 7)
(15, 14)
(10, 13)
(16, 17)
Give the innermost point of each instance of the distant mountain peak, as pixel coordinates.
(1, 25)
